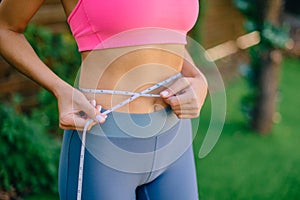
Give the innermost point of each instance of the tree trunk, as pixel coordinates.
(268, 86)
(268, 79)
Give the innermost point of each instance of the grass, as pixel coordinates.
(43, 197)
(245, 165)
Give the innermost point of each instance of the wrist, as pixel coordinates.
(61, 89)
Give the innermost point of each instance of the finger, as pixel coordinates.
(175, 87)
(93, 113)
(187, 116)
(186, 112)
(78, 128)
(185, 97)
(93, 102)
(75, 123)
(99, 108)
(185, 107)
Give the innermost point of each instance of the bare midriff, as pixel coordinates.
(134, 69)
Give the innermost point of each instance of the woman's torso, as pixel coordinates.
(131, 68)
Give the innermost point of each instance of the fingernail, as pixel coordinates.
(93, 102)
(99, 118)
(164, 93)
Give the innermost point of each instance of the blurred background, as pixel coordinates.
(255, 45)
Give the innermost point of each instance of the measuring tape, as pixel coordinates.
(119, 92)
(134, 96)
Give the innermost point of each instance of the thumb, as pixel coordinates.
(93, 113)
(176, 87)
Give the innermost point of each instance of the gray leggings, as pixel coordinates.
(122, 163)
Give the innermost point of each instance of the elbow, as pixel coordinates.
(20, 28)
(8, 34)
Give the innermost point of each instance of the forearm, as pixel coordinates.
(14, 17)
(15, 49)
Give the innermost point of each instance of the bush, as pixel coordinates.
(29, 156)
(29, 153)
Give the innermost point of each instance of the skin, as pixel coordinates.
(186, 95)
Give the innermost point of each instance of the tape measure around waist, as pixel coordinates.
(89, 121)
(118, 92)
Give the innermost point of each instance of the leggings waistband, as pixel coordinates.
(136, 154)
(120, 124)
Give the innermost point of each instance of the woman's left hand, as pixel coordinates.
(186, 96)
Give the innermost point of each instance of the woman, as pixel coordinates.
(139, 150)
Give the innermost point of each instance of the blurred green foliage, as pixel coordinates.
(29, 156)
(271, 37)
(29, 147)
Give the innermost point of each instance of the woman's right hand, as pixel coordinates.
(75, 109)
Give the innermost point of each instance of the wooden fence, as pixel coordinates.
(220, 22)
(52, 15)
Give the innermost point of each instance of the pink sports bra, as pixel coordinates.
(100, 24)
